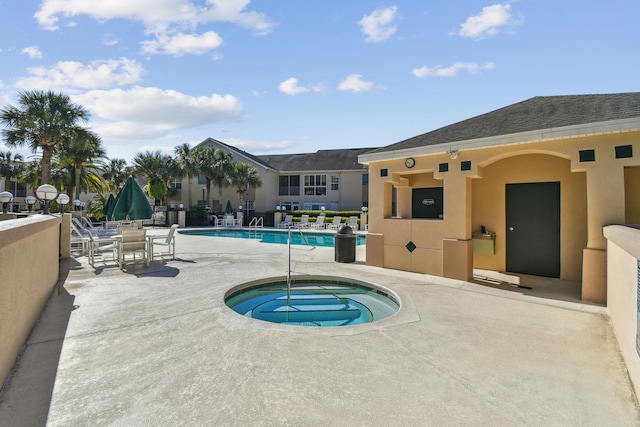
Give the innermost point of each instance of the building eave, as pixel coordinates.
(565, 132)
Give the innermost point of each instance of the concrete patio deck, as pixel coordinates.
(157, 346)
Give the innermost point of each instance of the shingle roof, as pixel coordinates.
(541, 112)
(321, 160)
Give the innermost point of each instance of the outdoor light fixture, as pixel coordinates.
(180, 206)
(62, 200)
(77, 204)
(30, 200)
(322, 208)
(46, 193)
(278, 207)
(365, 209)
(453, 153)
(240, 208)
(5, 199)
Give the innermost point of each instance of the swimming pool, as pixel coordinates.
(274, 236)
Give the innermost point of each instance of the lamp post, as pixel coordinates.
(30, 200)
(77, 203)
(46, 193)
(62, 200)
(5, 199)
(204, 201)
(363, 218)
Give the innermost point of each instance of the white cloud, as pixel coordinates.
(179, 44)
(69, 75)
(354, 83)
(110, 39)
(146, 112)
(155, 14)
(290, 87)
(379, 25)
(453, 70)
(488, 22)
(33, 52)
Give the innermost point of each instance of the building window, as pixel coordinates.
(365, 179)
(310, 206)
(290, 206)
(315, 185)
(624, 151)
(335, 182)
(18, 189)
(587, 155)
(289, 185)
(202, 180)
(177, 185)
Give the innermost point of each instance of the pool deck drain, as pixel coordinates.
(158, 346)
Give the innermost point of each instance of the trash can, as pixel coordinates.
(345, 246)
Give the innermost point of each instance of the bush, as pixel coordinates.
(197, 216)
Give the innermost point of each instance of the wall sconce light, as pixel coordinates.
(30, 201)
(453, 154)
(5, 199)
(46, 193)
(62, 200)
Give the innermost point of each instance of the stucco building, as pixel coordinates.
(541, 178)
(333, 179)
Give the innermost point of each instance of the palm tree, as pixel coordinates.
(44, 120)
(216, 165)
(115, 173)
(186, 160)
(244, 177)
(159, 169)
(80, 152)
(11, 166)
(31, 175)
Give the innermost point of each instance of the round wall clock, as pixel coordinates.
(410, 162)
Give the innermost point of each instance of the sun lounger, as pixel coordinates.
(319, 224)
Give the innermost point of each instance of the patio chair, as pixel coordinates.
(287, 223)
(132, 242)
(337, 222)
(168, 241)
(319, 224)
(102, 244)
(230, 221)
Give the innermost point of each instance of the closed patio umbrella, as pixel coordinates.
(229, 208)
(131, 203)
(108, 206)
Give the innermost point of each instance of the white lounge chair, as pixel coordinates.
(353, 222)
(287, 223)
(319, 224)
(337, 222)
(304, 222)
(168, 241)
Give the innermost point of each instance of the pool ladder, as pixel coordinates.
(256, 222)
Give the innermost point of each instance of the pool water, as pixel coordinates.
(274, 236)
(313, 303)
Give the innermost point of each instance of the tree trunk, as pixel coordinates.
(78, 171)
(47, 151)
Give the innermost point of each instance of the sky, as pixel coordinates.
(277, 77)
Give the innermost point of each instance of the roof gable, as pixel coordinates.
(321, 160)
